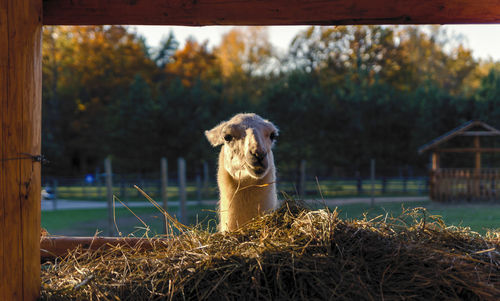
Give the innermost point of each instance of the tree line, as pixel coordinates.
(340, 95)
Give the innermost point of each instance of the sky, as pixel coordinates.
(484, 40)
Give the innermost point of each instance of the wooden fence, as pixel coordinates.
(452, 184)
(198, 189)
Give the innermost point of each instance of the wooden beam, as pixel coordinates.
(477, 146)
(468, 150)
(435, 161)
(480, 133)
(271, 12)
(20, 137)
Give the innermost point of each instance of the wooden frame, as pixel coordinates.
(20, 141)
(20, 83)
(270, 12)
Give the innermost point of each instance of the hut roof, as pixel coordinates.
(462, 130)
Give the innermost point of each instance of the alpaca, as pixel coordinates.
(246, 175)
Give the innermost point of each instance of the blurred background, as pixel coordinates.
(353, 105)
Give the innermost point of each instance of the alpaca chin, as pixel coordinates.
(257, 174)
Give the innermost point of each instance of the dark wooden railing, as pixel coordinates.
(463, 184)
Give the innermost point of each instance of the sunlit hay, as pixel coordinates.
(293, 253)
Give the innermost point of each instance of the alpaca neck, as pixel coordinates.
(243, 199)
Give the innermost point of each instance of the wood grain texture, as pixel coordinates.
(270, 12)
(20, 125)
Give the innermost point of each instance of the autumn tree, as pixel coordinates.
(340, 96)
(425, 59)
(245, 51)
(88, 71)
(194, 61)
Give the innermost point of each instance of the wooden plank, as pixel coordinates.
(480, 133)
(4, 60)
(487, 126)
(181, 167)
(20, 135)
(468, 150)
(164, 191)
(477, 147)
(272, 12)
(447, 136)
(109, 194)
(432, 185)
(435, 161)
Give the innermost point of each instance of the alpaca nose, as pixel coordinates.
(259, 156)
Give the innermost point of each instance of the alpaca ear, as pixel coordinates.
(214, 135)
(273, 127)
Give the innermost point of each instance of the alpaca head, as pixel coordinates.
(246, 141)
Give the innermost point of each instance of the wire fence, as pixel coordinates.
(199, 189)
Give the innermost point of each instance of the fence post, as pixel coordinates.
(198, 187)
(372, 180)
(181, 165)
(302, 180)
(98, 182)
(54, 195)
(109, 195)
(359, 183)
(164, 185)
(20, 132)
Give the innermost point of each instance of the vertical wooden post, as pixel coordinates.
(372, 180)
(109, 194)
(433, 176)
(302, 180)
(477, 169)
(20, 137)
(359, 183)
(181, 165)
(164, 185)
(198, 188)
(435, 161)
(55, 196)
(98, 182)
(477, 145)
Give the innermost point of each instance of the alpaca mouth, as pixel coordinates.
(257, 171)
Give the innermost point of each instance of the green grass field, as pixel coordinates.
(86, 222)
(478, 217)
(324, 188)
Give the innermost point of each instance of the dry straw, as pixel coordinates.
(292, 254)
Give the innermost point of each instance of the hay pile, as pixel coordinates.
(296, 254)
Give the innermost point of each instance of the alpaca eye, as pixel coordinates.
(272, 136)
(228, 138)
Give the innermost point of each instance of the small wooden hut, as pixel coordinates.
(463, 184)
